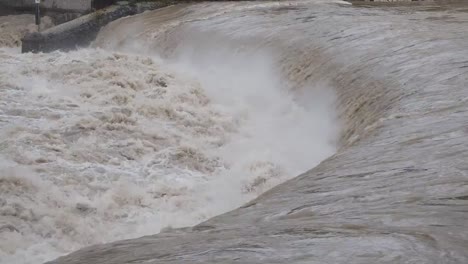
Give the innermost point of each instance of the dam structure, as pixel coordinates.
(242, 132)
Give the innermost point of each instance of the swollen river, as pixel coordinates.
(177, 115)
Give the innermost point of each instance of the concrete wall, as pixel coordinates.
(76, 33)
(82, 31)
(66, 5)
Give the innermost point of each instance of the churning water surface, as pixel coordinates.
(99, 145)
(180, 114)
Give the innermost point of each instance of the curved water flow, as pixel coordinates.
(201, 108)
(101, 145)
(395, 192)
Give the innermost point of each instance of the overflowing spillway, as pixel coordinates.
(180, 114)
(101, 145)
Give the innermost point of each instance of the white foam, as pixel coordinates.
(99, 146)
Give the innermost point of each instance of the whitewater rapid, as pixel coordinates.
(98, 145)
(187, 112)
(396, 189)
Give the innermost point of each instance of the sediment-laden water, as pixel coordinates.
(179, 114)
(100, 145)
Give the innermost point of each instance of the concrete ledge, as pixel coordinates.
(76, 33)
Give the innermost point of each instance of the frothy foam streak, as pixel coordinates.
(99, 146)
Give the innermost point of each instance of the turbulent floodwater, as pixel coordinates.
(100, 145)
(180, 114)
(395, 191)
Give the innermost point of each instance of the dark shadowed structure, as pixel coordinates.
(98, 4)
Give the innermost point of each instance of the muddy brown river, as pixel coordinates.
(339, 132)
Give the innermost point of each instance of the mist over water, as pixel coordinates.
(183, 113)
(101, 145)
(280, 134)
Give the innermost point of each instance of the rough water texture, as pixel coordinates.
(396, 191)
(98, 146)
